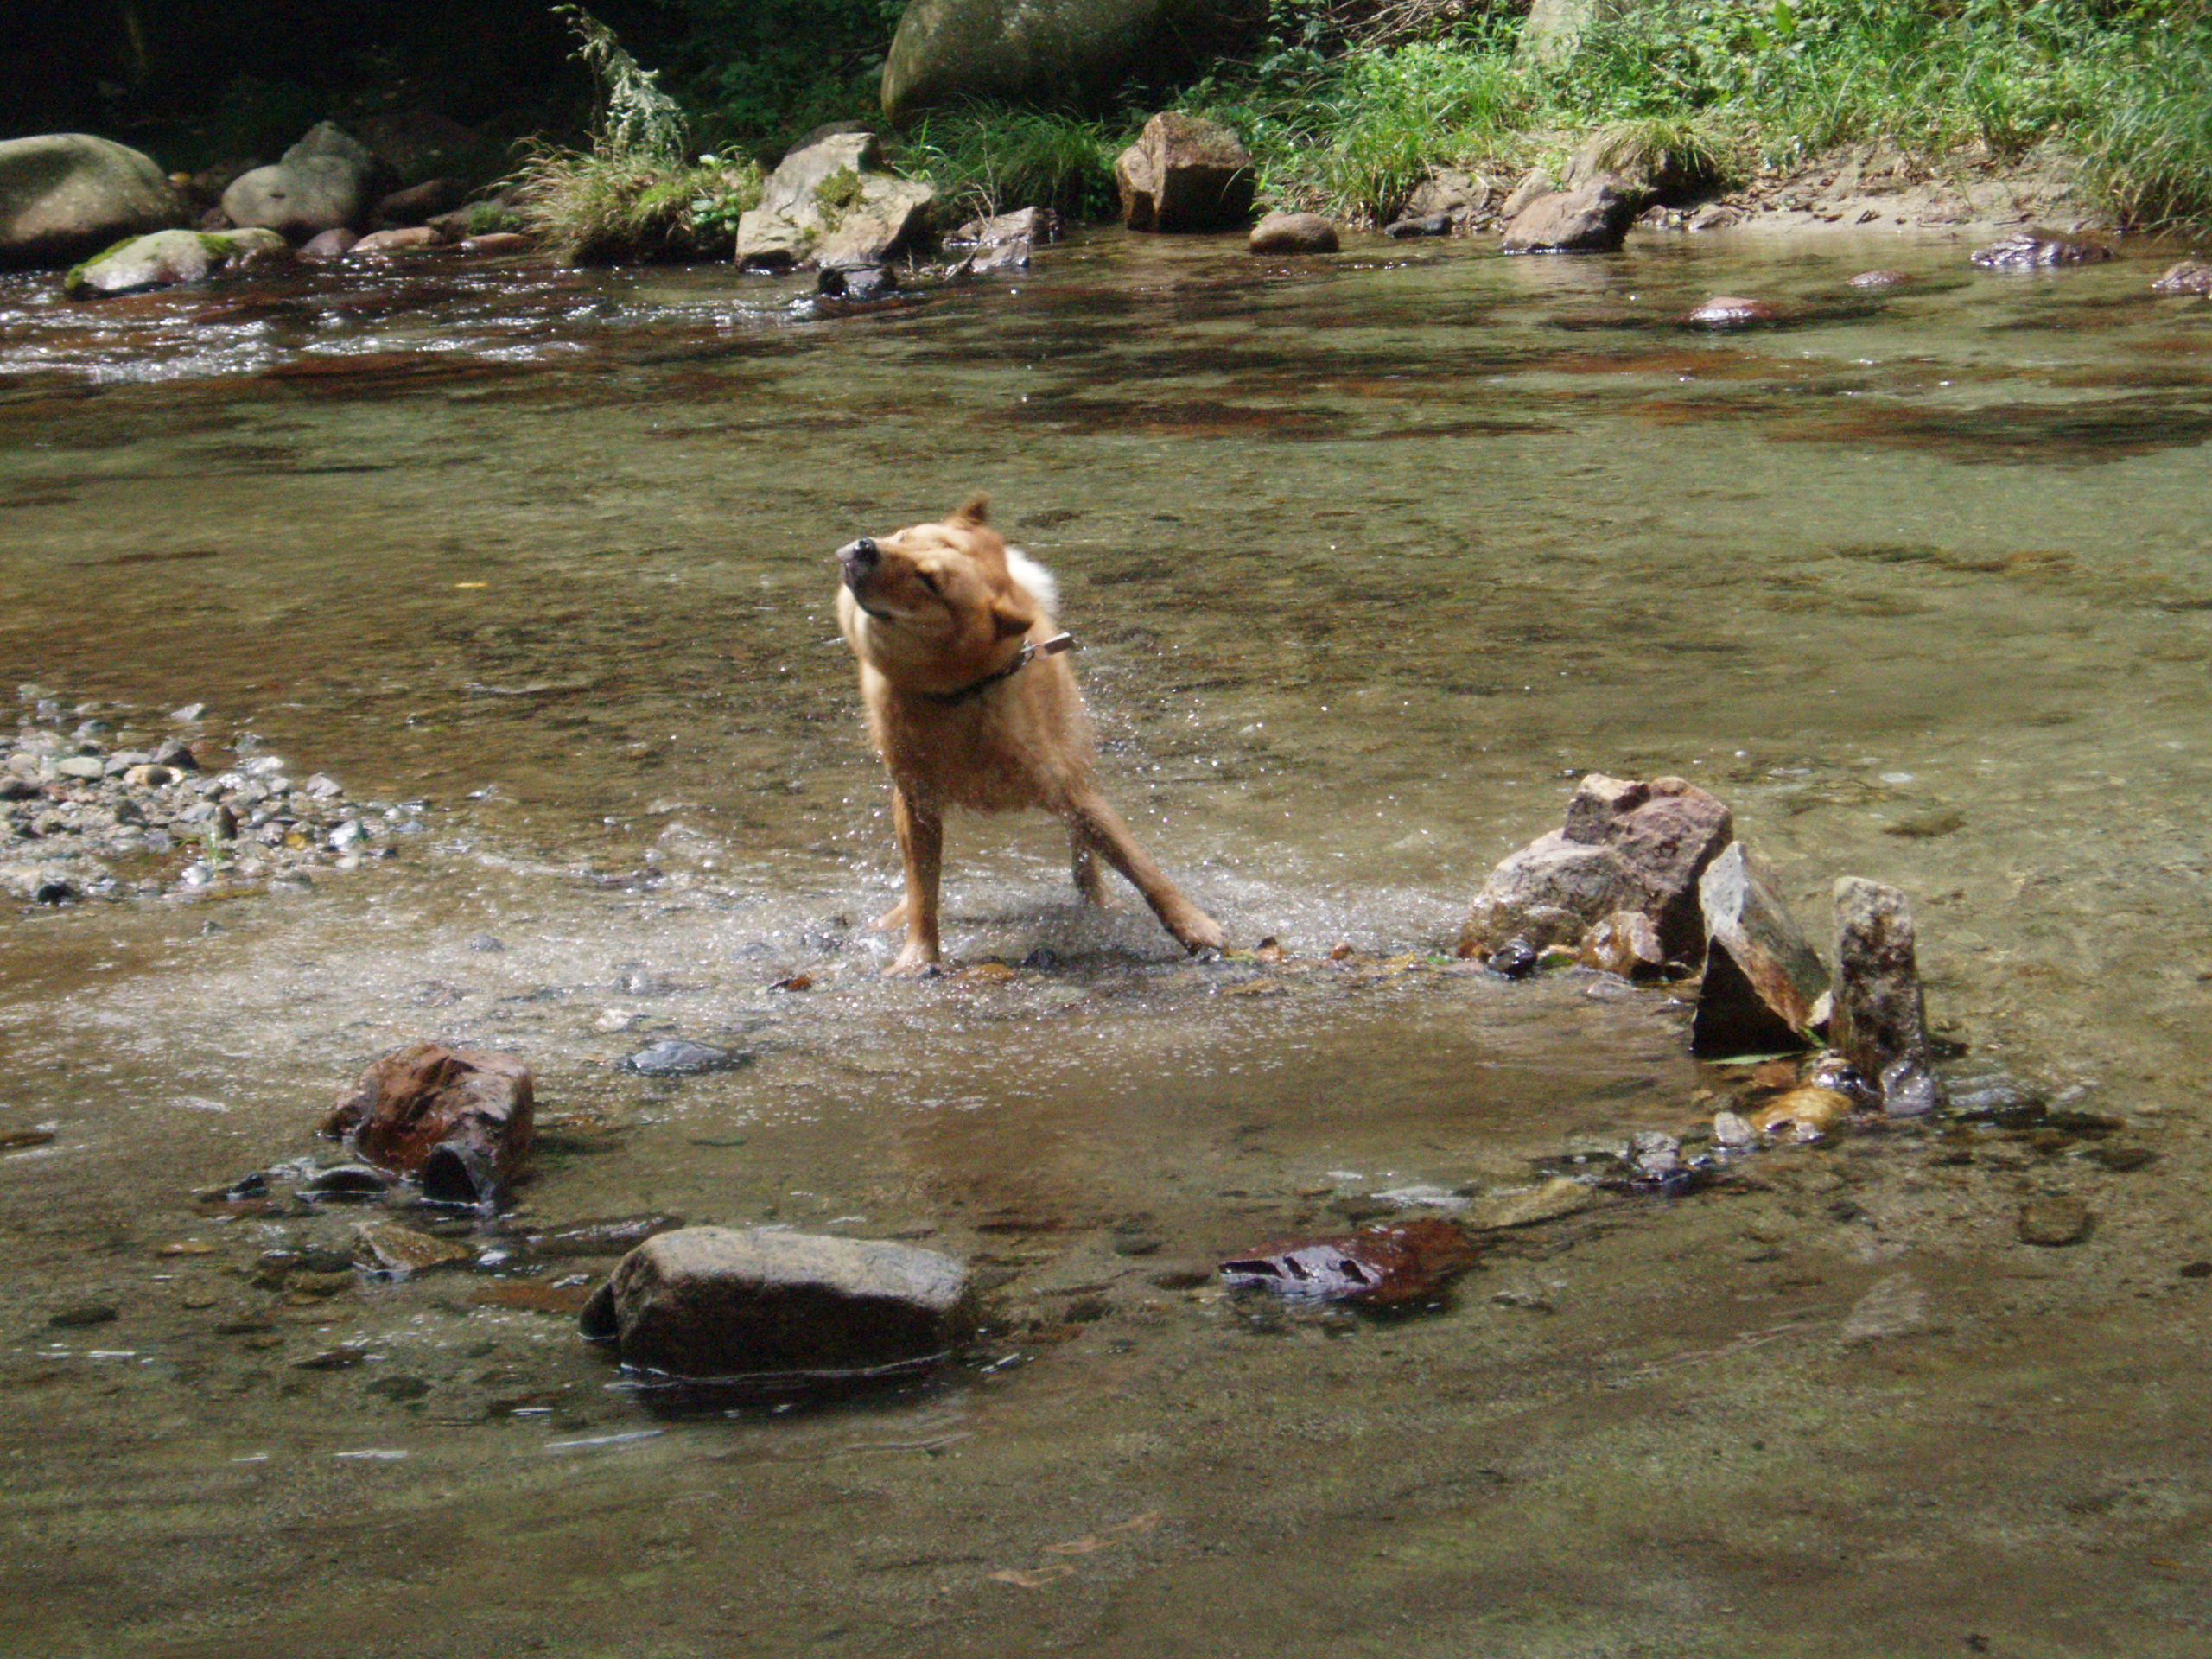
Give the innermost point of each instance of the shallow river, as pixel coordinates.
(1369, 560)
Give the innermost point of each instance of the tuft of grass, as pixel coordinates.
(631, 197)
(989, 159)
(2148, 153)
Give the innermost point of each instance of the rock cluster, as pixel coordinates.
(829, 203)
(2039, 249)
(319, 184)
(92, 806)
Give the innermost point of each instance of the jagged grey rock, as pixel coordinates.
(1761, 976)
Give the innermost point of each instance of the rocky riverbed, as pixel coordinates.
(100, 800)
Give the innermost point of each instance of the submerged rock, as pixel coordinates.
(1881, 1015)
(1762, 976)
(1593, 219)
(860, 283)
(1880, 279)
(678, 1056)
(2188, 277)
(1032, 225)
(2039, 249)
(1388, 1266)
(704, 1303)
(2055, 1222)
(459, 1120)
(1418, 225)
(1295, 233)
(1185, 172)
(1732, 311)
(1626, 846)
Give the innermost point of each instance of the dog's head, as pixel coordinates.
(936, 600)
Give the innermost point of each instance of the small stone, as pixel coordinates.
(189, 713)
(1515, 959)
(81, 765)
(2055, 1222)
(402, 1252)
(1802, 1114)
(680, 1058)
(2190, 276)
(1419, 226)
(1733, 1132)
(80, 1315)
(347, 1181)
(400, 1390)
(1294, 233)
(1559, 1197)
(1909, 1089)
(856, 283)
(1880, 279)
(333, 244)
(1654, 1156)
(487, 943)
(1732, 311)
(635, 980)
(331, 1359)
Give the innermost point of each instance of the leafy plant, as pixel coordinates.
(985, 160)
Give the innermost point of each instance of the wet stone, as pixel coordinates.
(680, 1058)
(2039, 249)
(2055, 1222)
(80, 1315)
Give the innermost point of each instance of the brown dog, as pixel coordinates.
(971, 704)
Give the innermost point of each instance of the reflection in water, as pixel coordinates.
(1369, 559)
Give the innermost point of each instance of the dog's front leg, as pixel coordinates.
(921, 850)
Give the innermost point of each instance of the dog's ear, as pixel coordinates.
(975, 510)
(1010, 616)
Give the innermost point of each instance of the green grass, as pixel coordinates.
(1347, 130)
(988, 160)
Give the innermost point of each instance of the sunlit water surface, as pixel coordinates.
(1369, 558)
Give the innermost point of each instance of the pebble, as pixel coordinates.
(2055, 1222)
(70, 804)
(82, 1314)
(679, 1057)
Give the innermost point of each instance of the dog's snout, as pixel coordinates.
(862, 555)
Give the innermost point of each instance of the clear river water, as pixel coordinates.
(1369, 558)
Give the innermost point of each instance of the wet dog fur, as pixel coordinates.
(937, 615)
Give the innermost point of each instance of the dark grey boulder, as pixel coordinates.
(65, 195)
(717, 1302)
(1761, 976)
(319, 184)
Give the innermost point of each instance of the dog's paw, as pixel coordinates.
(892, 920)
(1199, 932)
(915, 961)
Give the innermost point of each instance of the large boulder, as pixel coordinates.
(167, 257)
(459, 1120)
(711, 1303)
(1078, 52)
(1185, 172)
(1762, 976)
(1627, 845)
(319, 184)
(829, 203)
(1880, 1023)
(419, 144)
(64, 195)
(1594, 218)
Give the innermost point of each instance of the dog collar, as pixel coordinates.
(1031, 650)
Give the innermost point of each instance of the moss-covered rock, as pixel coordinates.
(167, 257)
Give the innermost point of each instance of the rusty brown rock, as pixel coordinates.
(383, 243)
(1627, 844)
(1382, 1267)
(1626, 943)
(1185, 172)
(459, 1121)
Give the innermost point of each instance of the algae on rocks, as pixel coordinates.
(829, 203)
(167, 257)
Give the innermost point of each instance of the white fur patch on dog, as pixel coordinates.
(1036, 578)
